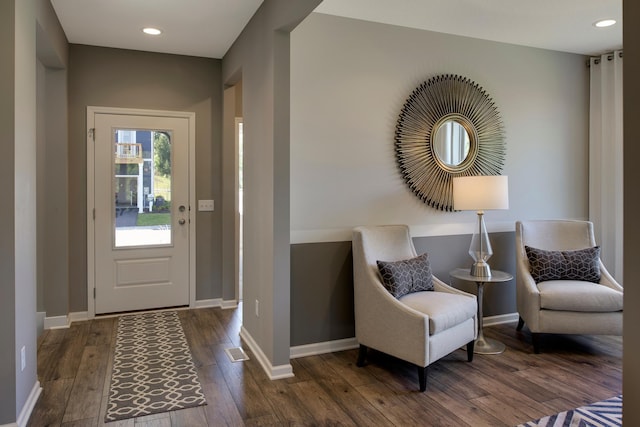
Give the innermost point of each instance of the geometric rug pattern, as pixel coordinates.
(152, 368)
(607, 413)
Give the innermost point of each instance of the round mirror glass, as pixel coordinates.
(451, 143)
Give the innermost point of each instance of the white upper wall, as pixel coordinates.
(349, 81)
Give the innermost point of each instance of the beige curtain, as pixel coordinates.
(605, 158)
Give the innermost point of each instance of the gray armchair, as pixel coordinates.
(550, 303)
(420, 327)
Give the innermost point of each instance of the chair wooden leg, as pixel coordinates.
(535, 339)
(470, 346)
(520, 324)
(422, 377)
(362, 356)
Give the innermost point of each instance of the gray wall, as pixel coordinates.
(41, 180)
(25, 200)
(52, 178)
(321, 292)
(631, 369)
(18, 211)
(53, 187)
(31, 41)
(349, 81)
(52, 51)
(132, 79)
(260, 59)
(7, 215)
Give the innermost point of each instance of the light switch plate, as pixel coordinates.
(205, 205)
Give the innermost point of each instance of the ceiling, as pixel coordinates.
(204, 28)
(207, 28)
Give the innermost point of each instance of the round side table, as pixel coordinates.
(483, 345)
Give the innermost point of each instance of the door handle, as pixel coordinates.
(182, 222)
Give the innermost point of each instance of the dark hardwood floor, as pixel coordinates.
(501, 390)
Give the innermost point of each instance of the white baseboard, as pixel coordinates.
(56, 322)
(323, 347)
(205, 303)
(62, 322)
(78, 316)
(25, 413)
(226, 304)
(273, 372)
(500, 319)
(217, 303)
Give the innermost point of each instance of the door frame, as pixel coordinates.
(239, 232)
(191, 117)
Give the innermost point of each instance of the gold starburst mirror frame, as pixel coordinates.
(448, 127)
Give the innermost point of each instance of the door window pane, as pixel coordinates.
(142, 188)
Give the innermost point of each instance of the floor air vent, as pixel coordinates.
(236, 354)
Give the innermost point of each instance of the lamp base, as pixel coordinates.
(480, 269)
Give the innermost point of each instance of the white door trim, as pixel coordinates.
(91, 112)
(238, 217)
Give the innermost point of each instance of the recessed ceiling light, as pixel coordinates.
(152, 31)
(605, 23)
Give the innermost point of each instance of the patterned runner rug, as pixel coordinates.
(152, 368)
(607, 413)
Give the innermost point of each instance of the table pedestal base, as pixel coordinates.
(488, 346)
(483, 345)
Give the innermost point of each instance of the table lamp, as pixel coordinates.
(479, 193)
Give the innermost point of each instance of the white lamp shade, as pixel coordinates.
(479, 193)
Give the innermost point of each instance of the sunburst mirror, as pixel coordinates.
(448, 127)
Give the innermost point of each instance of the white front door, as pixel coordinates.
(141, 223)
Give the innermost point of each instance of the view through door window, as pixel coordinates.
(142, 188)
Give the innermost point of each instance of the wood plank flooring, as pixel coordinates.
(74, 368)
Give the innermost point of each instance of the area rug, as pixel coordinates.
(152, 368)
(607, 413)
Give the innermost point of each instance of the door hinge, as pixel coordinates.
(94, 214)
(92, 134)
(94, 293)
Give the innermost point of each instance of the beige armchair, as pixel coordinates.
(565, 300)
(420, 327)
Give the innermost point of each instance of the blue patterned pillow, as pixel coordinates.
(406, 276)
(581, 264)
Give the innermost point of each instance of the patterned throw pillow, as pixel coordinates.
(581, 264)
(406, 276)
